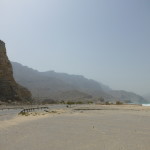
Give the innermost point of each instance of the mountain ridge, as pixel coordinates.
(51, 84)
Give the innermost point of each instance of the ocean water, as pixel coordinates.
(145, 104)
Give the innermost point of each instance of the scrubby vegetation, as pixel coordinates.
(24, 113)
(73, 102)
(107, 103)
(119, 103)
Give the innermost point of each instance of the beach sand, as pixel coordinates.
(105, 128)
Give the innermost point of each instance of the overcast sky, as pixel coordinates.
(105, 40)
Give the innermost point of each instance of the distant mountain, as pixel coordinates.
(62, 86)
(127, 96)
(147, 97)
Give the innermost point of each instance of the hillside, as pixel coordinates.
(127, 96)
(62, 86)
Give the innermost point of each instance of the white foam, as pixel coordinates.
(145, 104)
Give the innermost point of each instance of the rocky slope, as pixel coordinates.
(9, 89)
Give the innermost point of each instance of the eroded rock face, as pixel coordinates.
(9, 89)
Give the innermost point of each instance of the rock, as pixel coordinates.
(9, 89)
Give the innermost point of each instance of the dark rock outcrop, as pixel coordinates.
(9, 89)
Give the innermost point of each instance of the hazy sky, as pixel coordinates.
(105, 40)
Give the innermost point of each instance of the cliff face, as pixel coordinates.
(9, 89)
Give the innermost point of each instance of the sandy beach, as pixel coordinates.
(82, 127)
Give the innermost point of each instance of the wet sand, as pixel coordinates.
(91, 127)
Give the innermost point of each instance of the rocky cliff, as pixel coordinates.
(9, 89)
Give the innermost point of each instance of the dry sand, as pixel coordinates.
(106, 128)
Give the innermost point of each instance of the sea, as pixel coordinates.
(145, 104)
